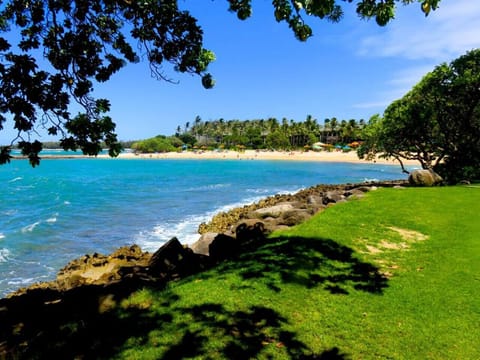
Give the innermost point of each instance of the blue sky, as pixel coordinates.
(352, 69)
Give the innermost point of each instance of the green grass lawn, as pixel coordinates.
(395, 275)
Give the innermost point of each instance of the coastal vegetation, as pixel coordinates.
(393, 274)
(259, 134)
(436, 123)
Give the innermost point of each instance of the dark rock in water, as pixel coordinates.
(423, 177)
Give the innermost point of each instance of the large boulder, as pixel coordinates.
(333, 197)
(172, 261)
(201, 245)
(223, 247)
(294, 217)
(424, 177)
(274, 211)
(249, 231)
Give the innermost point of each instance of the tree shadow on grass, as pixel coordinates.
(89, 323)
(309, 262)
(210, 331)
(78, 323)
(75, 328)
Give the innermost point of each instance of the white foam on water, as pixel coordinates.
(53, 219)
(4, 255)
(2, 236)
(186, 230)
(16, 179)
(31, 227)
(209, 187)
(21, 281)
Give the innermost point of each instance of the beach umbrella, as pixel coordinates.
(319, 145)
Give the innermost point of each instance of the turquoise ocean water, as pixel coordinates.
(66, 208)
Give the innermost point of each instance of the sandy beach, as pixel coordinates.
(324, 156)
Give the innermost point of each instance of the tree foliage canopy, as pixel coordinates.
(436, 123)
(84, 42)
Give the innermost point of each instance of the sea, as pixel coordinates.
(65, 208)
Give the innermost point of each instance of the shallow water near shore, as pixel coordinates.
(69, 207)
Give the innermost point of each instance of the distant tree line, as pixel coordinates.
(269, 133)
(58, 145)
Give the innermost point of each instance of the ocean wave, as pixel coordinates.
(186, 231)
(16, 179)
(31, 227)
(2, 236)
(258, 191)
(269, 192)
(4, 255)
(209, 187)
(52, 219)
(21, 281)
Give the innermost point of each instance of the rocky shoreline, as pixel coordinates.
(89, 287)
(218, 238)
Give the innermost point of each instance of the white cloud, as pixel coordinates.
(417, 44)
(445, 34)
(396, 87)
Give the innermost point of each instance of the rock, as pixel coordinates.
(424, 177)
(100, 269)
(223, 247)
(315, 200)
(249, 231)
(333, 197)
(201, 245)
(274, 211)
(363, 188)
(355, 193)
(294, 217)
(173, 261)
